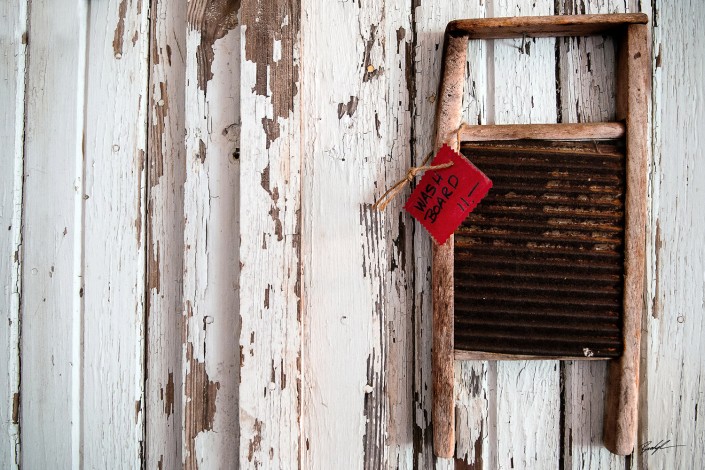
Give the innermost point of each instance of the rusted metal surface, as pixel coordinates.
(539, 263)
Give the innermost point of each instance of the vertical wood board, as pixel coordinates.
(671, 416)
(270, 245)
(210, 277)
(356, 134)
(165, 168)
(113, 237)
(13, 60)
(51, 308)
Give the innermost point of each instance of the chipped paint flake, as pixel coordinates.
(119, 34)
(168, 395)
(213, 19)
(348, 108)
(273, 26)
(201, 394)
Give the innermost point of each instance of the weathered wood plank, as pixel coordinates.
(56, 401)
(584, 397)
(527, 415)
(472, 405)
(13, 59)
(356, 141)
(584, 131)
(633, 65)
(544, 25)
(527, 403)
(51, 327)
(112, 403)
(210, 273)
(586, 68)
(448, 120)
(166, 163)
(392, 270)
(586, 90)
(672, 415)
(270, 249)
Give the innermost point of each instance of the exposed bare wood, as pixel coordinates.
(586, 131)
(448, 119)
(165, 235)
(270, 249)
(544, 26)
(623, 389)
(485, 356)
(211, 321)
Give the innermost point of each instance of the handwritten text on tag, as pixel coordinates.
(444, 198)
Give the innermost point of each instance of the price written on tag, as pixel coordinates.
(444, 198)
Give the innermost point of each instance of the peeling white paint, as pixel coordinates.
(211, 269)
(13, 59)
(334, 298)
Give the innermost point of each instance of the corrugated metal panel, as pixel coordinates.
(539, 263)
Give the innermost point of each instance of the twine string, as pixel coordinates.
(392, 192)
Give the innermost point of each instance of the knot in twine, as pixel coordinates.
(392, 192)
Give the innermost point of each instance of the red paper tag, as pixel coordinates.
(444, 198)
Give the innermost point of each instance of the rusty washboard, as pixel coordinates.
(550, 265)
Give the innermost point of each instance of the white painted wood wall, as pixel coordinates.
(192, 273)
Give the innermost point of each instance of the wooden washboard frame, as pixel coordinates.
(633, 92)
